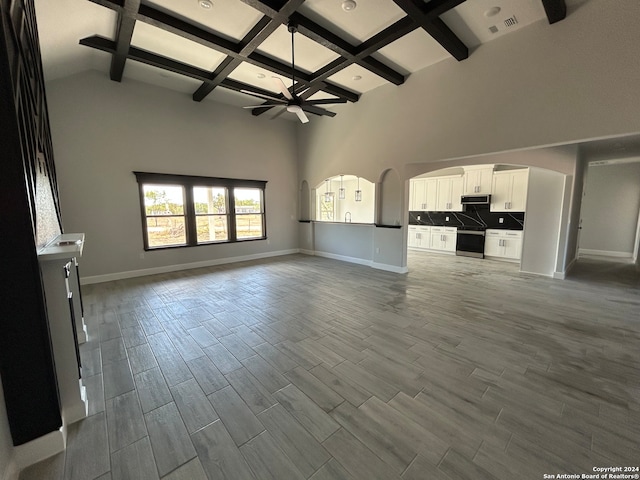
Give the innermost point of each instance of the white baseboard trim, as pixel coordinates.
(548, 275)
(344, 258)
(359, 261)
(563, 275)
(39, 449)
(604, 253)
(182, 266)
(389, 268)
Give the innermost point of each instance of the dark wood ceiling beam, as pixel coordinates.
(149, 58)
(426, 17)
(229, 64)
(124, 33)
(183, 29)
(387, 36)
(556, 10)
(252, 40)
(191, 32)
(343, 48)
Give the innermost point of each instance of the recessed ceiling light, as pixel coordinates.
(261, 75)
(356, 77)
(492, 12)
(206, 4)
(349, 5)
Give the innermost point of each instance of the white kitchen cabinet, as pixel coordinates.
(443, 238)
(423, 194)
(504, 244)
(419, 236)
(449, 194)
(478, 179)
(509, 191)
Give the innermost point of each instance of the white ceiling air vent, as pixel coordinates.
(508, 23)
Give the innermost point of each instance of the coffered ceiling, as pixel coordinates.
(218, 49)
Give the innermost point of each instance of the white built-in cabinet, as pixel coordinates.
(509, 191)
(424, 237)
(449, 194)
(424, 194)
(477, 179)
(419, 236)
(443, 238)
(505, 244)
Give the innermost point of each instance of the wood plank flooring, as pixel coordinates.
(300, 367)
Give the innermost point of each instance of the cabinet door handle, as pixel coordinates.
(505, 205)
(509, 205)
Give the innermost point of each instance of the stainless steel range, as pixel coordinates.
(470, 242)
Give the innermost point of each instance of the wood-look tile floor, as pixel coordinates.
(301, 367)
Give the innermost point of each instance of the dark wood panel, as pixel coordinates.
(26, 364)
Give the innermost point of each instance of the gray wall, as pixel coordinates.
(6, 445)
(610, 209)
(103, 130)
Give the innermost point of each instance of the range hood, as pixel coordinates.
(475, 199)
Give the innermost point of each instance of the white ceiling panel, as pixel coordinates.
(413, 52)
(173, 46)
(229, 18)
(348, 78)
(356, 26)
(256, 76)
(310, 56)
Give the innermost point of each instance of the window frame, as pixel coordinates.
(188, 182)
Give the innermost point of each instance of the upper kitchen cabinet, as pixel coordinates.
(423, 194)
(449, 194)
(477, 179)
(509, 190)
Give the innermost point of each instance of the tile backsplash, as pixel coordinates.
(474, 217)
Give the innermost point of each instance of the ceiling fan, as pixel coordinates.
(292, 102)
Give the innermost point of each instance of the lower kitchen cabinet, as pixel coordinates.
(505, 244)
(443, 238)
(419, 236)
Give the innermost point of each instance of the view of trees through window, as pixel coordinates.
(248, 206)
(211, 214)
(164, 206)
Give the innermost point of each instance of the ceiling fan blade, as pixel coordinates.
(282, 87)
(280, 112)
(302, 116)
(326, 101)
(267, 97)
(317, 110)
(264, 105)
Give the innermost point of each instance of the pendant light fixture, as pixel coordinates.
(327, 193)
(342, 191)
(358, 192)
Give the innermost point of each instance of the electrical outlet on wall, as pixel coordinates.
(446, 219)
(500, 220)
(418, 217)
